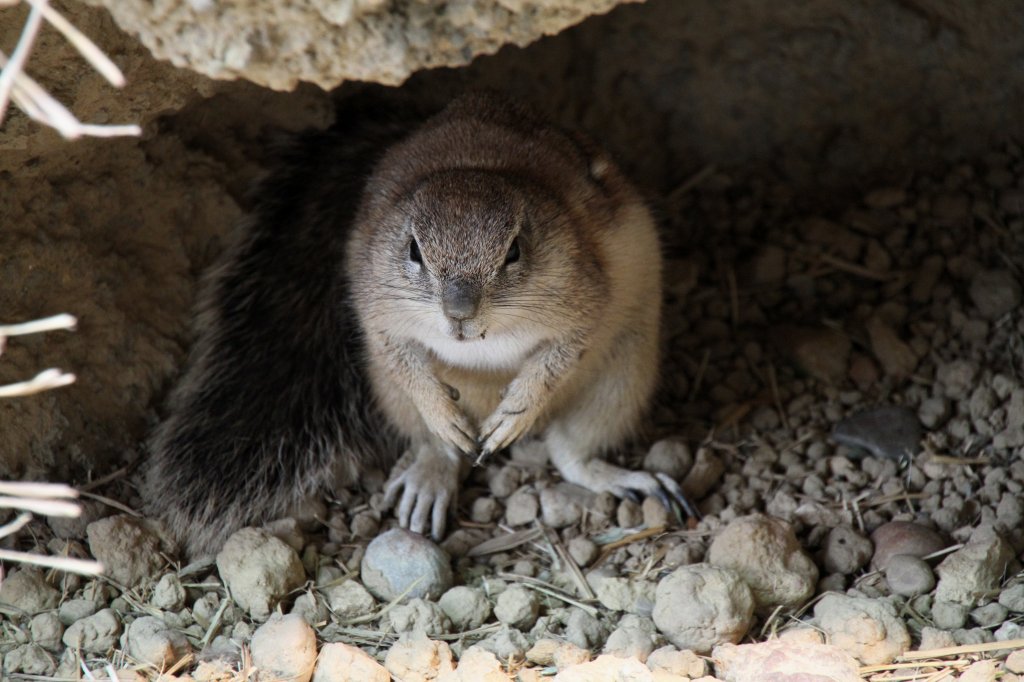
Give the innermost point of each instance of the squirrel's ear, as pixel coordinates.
(599, 164)
(600, 167)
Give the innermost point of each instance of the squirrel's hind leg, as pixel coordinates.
(606, 414)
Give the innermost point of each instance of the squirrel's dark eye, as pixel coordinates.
(414, 252)
(513, 252)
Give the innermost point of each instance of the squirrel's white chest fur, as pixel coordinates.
(496, 352)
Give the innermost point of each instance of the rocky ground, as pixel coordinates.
(843, 396)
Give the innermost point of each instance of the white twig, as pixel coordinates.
(47, 324)
(14, 526)
(85, 47)
(14, 68)
(44, 507)
(37, 490)
(96, 130)
(33, 99)
(44, 381)
(39, 105)
(82, 566)
(50, 499)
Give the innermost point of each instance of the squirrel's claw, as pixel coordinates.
(640, 484)
(675, 491)
(507, 424)
(501, 430)
(455, 429)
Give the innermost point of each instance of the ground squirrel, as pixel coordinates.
(494, 277)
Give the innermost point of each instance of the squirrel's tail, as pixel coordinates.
(274, 405)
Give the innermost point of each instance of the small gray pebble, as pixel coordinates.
(989, 614)
(909, 576)
(205, 608)
(1010, 510)
(949, 615)
(606, 504)
(365, 524)
(182, 619)
(671, 457)
(309, 608)
(934, 638)
(582, 550)
(485, 510)
(584, 630)
(517, 607)
(521, 508)
(148, 640)
(418, 615)
(634, 636)
(890, 432)
(346, 597)
(834, 582)
(846, 551)
(76, 609)
(933, 412)
(506, 643)
(504, 482)
(287, 530)
(466, 607)
(559, 508)
(995, 292)
(684, 554)
(629, 514)
(1012, 598)
(972, 636)
(168, 595)
(47, 630)
(1009, 630)
(957, 378)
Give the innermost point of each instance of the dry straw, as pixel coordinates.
(49, 499)
(32, 98)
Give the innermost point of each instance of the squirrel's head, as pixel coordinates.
(484, 265)
(484, 234)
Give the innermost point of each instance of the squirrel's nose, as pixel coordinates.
(460, 300)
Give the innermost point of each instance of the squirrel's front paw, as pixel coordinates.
(428, 488)
(510, 421)
(446, 421)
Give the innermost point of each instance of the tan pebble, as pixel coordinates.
(1015, 661)
(542, 652)
(885, 197)
(654, 513)
(895, 356)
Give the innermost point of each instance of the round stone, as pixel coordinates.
(400, 560)
(909, 576)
